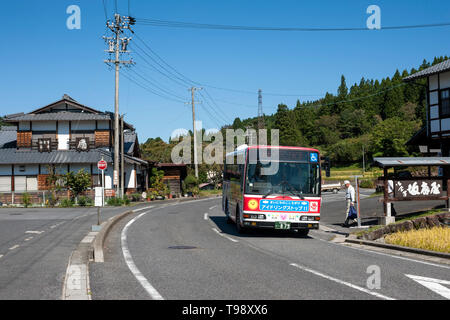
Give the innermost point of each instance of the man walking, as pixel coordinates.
(350, 198)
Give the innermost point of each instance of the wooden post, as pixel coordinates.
(447, 202)
(386, 194)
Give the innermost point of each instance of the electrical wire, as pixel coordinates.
(192, 25)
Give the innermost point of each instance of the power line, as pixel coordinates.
(136, 82)
(193, 25)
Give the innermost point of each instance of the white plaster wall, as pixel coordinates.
(433, 82)
(24, 125)
(130, 181)
(44, 125)
(103, 124)
(445, 80)
(83, 125)
(76, 167)
(29, 170)
(5, 169)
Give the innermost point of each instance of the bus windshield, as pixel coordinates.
(292, 178)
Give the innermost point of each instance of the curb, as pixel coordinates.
(103, 233)
(76, 281)
(400, 248)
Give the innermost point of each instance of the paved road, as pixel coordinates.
(35, 246)
(222, 264)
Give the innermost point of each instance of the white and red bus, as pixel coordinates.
(288, 198)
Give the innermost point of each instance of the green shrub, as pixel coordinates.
(125, 200)
(136, 197)
(26, 199)
(84, 201)
(114, 201)
(368, 183)
(66, 203)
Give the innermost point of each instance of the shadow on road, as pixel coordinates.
(230, 229)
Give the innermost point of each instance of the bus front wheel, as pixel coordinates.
(302, 232)
(239, 228)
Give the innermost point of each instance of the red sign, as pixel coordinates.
(102, 165)
(110, 193)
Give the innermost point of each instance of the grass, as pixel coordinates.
(206, 193)
(434, 239)
(400, 220)
(347, 172)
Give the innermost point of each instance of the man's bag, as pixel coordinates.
(352, 213)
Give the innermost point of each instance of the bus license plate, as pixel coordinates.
(282, 225)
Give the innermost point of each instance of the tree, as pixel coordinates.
(77, 182)
(290, 135)
(390, 136)
(157, 185)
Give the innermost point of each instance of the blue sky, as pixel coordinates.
(42, 59)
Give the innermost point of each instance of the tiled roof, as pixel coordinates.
(437, 68)
(8, 137)
(14, 156)
(61, 115)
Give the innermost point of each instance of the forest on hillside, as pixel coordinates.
(376, 117)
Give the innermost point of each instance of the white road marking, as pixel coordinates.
(389, 255)
(28, 239)
(1, 256)
(205, 216)
(14, 247)
(132, 266)
(342, 282)
(34, 232)
(145, 208)
(324, 228)
(222, 235)
(434, 285)
(53, 226)
(212, 207)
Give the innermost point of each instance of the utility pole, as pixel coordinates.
(122, 162)
(364, 161)
(193, 89)
(260, 111)
(117, 45)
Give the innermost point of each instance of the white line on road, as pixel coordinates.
(132, 266)
(212, 207)
(14, 247)
(1, 256)
(34, 232)
(435, 285)
(389, 255)
(205, 216)
(28, 239)
(222, 235)
(342, 282)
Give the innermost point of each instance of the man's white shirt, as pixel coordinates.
(350, 194)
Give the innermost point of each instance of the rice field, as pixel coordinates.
(434, 239)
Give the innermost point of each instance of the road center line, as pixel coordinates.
(222, 235)
(205, 216)
(28, 239)
(342, 282)
(132, 266)
(14, 247)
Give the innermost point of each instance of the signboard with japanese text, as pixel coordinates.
(417, 188)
